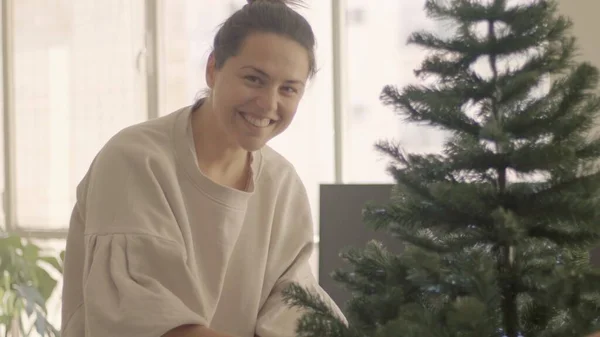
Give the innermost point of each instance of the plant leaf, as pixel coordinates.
(54, 262)
(31, 253)
(46, 283)
(40, 323)
(31, 295)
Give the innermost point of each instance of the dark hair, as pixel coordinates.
(266, 16)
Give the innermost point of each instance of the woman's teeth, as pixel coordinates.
(258, 122)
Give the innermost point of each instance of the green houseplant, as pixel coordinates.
(26, 283)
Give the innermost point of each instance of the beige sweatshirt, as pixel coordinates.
(154, 244)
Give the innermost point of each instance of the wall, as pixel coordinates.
(584, 14)
(342, 228)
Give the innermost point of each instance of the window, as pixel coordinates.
(186, 31)
(387, 60)
(77, 82)
(356, 16)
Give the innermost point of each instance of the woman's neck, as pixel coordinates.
(218, 157)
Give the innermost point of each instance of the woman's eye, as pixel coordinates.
(253, 79)
(290, 90)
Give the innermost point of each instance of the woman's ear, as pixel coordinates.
(210, 70)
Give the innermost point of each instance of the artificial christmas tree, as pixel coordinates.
(497, 229)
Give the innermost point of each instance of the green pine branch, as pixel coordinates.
(497, 228)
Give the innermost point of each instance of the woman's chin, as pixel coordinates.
(252, 146)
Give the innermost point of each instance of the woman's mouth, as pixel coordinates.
(255, 121)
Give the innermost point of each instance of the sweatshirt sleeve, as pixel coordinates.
(290, 258)
(138, 286)
(136, 278)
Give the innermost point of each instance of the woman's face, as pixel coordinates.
(256, 93)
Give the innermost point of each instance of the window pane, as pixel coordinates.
(387, 60)
(77, 82)
(189, 27)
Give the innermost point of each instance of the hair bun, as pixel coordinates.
(298, 3)
(250, 2)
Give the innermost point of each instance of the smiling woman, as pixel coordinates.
(198, 193)
(253, 97)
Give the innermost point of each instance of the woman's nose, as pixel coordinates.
(268, 100)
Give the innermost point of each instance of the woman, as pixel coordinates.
(189, 225)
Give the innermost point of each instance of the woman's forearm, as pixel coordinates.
(194, 331)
